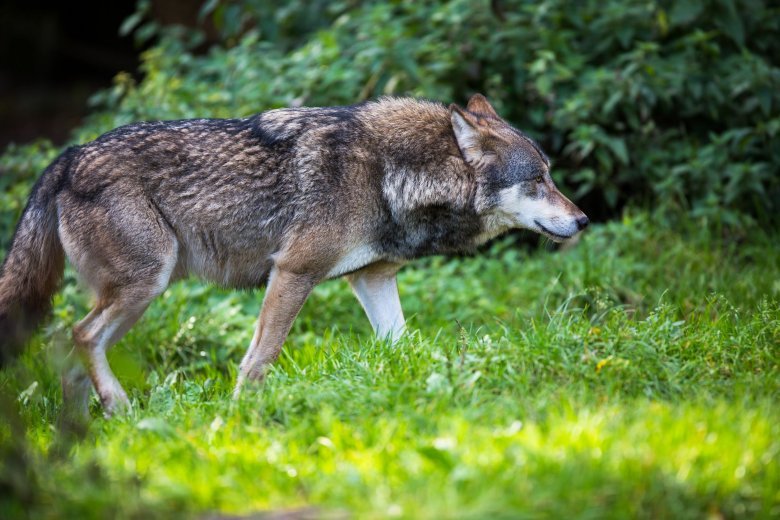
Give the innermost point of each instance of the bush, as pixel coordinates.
(663, 104)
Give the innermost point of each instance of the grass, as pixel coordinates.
(635, 375)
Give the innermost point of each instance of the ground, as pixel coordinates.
(635, 374)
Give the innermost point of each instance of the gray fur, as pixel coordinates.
(288, 197)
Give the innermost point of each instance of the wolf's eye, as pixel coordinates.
(539, 179)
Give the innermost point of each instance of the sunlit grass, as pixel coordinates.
(636, 374)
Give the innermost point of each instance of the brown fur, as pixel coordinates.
(289, 197)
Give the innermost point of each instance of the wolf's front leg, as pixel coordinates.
(376, 288)
(284, 298)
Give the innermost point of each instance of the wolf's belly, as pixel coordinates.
(217, 259)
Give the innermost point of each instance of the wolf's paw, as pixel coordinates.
(115, 403)
(248, 386)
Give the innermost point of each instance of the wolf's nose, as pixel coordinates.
(582, 222)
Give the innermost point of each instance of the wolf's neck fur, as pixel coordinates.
(433, 196)
(422, 163)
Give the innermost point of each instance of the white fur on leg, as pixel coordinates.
(241, 379)
(378, 294)
(93, 342)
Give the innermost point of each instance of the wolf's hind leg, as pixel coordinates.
(126, 252)
(119, 305)
(102, 328)
(376, 288)
(74, 378)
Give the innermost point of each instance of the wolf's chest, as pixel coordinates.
(356, 258)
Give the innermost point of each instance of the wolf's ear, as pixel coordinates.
(480, 105)
(469, 138)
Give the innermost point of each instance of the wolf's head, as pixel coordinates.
(514, 172)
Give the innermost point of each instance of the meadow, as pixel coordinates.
(635, 374)
(632, 375)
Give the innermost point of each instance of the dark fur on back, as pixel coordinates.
(229, 189)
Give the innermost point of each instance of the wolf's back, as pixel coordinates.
(33, 267)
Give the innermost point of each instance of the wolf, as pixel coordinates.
(286, 198)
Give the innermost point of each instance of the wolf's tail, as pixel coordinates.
(32, 270)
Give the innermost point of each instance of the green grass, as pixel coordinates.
(635, 375)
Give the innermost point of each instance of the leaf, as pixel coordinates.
(207, 9)
(615, 98)
(26, 395)
(731, 23)
(439, 457)
(618, 147)
(437, 384)
(156, 425)
(685, 12)
(130, 23)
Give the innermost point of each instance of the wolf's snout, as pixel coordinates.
(582, 222)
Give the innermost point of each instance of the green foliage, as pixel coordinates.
(665, 104)
(633, 376)
(19, 167)
(636, 375)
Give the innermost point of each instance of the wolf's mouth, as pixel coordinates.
(550, 233)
